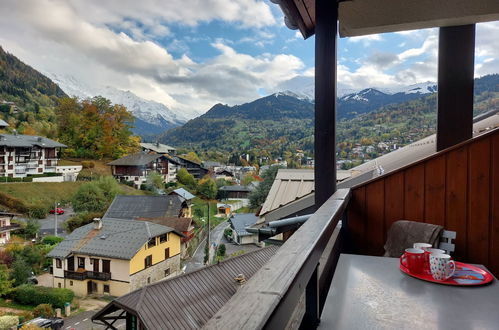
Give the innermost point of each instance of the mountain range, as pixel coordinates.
(284, 120)
(151, 117)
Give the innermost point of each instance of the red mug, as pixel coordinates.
(413, 260)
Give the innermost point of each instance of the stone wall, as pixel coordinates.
(155, 273)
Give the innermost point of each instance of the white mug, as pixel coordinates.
(422, 246)
(442, 266)
(436, 251)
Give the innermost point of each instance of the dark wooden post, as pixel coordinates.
(326, 16)
(456, 58)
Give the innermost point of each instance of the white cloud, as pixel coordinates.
(365, 40)
(80, 38)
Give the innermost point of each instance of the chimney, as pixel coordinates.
(39, 139)
(97, 223)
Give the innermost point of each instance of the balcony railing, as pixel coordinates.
(293, 290)
(88, 274)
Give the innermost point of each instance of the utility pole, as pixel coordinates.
(209, 245)
(55, 217)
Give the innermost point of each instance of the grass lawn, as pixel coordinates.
(11, 304)
(100, 166)
(27, 194)
(41, 193)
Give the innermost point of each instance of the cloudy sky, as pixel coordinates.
(191, 54)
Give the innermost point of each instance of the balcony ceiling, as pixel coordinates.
(362, 17)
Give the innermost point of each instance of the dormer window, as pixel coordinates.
(151, 243)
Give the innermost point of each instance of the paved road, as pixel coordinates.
(196, 262)
(48, 224)
(82, 321)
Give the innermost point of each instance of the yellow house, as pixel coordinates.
(115, 256)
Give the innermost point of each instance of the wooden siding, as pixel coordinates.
(457, 188)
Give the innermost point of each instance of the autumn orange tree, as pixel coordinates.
(95, 128)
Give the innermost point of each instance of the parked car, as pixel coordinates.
(55, 323)
(58, 210)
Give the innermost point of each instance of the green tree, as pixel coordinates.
(21, 271)
(5, 281)
(109, 187)
(185, 178)
(208, 187)
(192, 156)
(155, 182)
(258, 196)
(221, 250)
(90, 198)
(32, 228)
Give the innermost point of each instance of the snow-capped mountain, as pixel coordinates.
(151, 117)
(303, 87)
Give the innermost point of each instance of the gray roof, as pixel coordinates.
(131, 207)
(158, 147)
(236, 188)
(190, 300)
(3, 123)
(137, 159)
(28, 141)
(118, 238)
(183, 193)
(242, 220)
(209, 164)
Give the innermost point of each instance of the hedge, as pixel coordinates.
(28, 294)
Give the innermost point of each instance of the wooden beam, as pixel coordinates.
(456, 54)
(325, 100)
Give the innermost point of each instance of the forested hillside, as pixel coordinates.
(278, 123)
(34, 105)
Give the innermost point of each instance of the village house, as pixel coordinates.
(135, 168)
(115, 256)
(196, 169)
(224, 174)
(157, 148)
(235, 192)
(182, 225)
(6, 226)
(183, 193)
(238, 224)
(132, 207)
(25, 155)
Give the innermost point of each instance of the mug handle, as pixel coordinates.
(402, 258)
(451, 262)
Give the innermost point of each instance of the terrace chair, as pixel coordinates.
(403, 234)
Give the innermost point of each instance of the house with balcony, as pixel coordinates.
(6, 226)
(24, 155)
(195, 169)
(331, 274)
(115, 257)
(136, 167)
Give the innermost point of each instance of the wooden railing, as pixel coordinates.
(88, 274)
(290, 289)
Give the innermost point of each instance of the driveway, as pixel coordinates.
(48, 224)
(196, 262)
(81, 321)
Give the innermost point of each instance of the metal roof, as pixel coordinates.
(289, 185)
(118, 238)
(190, 300)
(240, 221)
(179, 224)
(131, 207)
(183, 193)
(158, 147)
(137, 159)
(28, 141)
